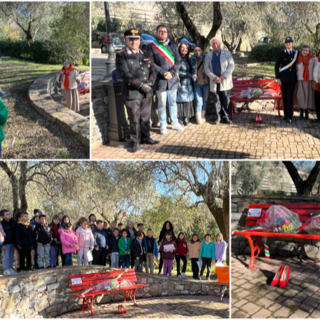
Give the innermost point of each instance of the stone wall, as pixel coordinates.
(70, 121)
(47, 293)
(282, 246)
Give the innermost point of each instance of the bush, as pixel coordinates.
(34, 51)
(270, 52)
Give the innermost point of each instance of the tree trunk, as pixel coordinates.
(304, 187)
(199, 39)
(22, 186)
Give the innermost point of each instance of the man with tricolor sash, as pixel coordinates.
(167, 62)
(138, 74)
(286, 75)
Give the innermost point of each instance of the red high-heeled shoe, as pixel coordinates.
(121, 309)
(284, 279)
(260, 118)
(256, 119)
(277, 276)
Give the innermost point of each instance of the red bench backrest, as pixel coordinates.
(239, 85)
(91, 279)
(302, 209)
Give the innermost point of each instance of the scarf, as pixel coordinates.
(201, 57)
(55, 229)
(305, 62)
(67, 74)
(24, 223)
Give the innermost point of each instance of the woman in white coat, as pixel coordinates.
(316, 79)
(69, 78)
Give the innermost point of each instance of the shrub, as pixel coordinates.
(270, 52)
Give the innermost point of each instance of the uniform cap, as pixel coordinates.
(288, 39)
(132, 33)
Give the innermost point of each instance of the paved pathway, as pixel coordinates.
(252, 297)
(274, 139)
(162, 307)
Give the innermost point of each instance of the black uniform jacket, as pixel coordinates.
(289, 75)
(135, 69)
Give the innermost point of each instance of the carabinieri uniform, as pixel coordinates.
(286, 71)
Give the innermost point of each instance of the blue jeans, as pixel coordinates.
(125, 261)
(7, 259)
(53, 255)
(162, 103)
(68, 259)
(201, 93)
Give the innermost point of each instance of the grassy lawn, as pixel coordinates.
(29, 135)
(260, 69)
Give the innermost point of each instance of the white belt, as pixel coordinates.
(291, 63)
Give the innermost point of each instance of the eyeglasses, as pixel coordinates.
(160, 31)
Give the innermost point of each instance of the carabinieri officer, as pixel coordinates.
(286, 75)
(138, 74)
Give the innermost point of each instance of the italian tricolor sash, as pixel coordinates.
(164, 52)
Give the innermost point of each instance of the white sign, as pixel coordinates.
(254, 213)
(169, 247)
(76, 281)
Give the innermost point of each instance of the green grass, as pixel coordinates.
(30, 135)
(260, 69)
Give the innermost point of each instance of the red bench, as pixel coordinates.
(82, 282)
(240, 85)
(303, 210)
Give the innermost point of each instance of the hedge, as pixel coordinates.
(269, 52)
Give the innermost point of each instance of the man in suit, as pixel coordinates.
(286, 75)
(138, 74)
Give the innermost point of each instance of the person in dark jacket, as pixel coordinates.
(9, 226)
(168, 254)
(24, 240)
(54, 247)
(138, 74)
(167, 61)
(185, 92)
(286, 74)
(114, 249)
(137, 249)
(167, 226)
(43, 236)
(131, 230)
(101, 244)
(151, 251)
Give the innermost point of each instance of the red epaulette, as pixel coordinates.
(121, 50)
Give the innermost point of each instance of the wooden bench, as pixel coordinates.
(303, 210)
(240, 85)
(82, 282)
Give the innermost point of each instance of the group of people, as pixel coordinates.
(173, 75)
(37, 244)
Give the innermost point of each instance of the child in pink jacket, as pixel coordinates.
(69, 244)
(85, 242)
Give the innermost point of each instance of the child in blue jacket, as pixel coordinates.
(151, 250)
(207, 255)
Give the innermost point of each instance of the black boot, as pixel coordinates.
(301, 114)
(307, 114)
(136, 146)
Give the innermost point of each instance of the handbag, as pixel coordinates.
(315, 86)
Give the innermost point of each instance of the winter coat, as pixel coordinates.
(194, 69)
(55, 235)
(3, 118)
(122, 246)
(168, 255)
(220, 250)
(113, 244)
(74, 78)
(2, 234)
(227, 67)
(300, 69)
(24, 236)
(43, 234)
(162, 66)
(194, 249)
(129, 234)
(154, 244)
(207, 251)
(85, 238)
(109, 233)
(67, 238)
(136, 248)
(100, 238)
(182, 248)
(185, 92)
(9, 229)
(316, 71)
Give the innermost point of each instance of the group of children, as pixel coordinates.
(37, 244)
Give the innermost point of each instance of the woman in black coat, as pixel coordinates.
(167, 226)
